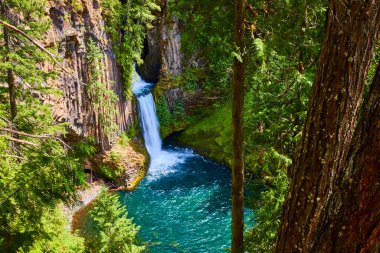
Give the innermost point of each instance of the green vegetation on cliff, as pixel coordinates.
(172, 119)
(127, 23)
(211, 136)
(102, 98)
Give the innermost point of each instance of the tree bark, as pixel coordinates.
(8, 242)
(11, 80)
(351, 219)
(349, 40)
(238, 132)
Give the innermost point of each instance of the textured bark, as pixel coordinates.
(350, 222)
(10, 78)
(359, 186)
(238, 133)
(8, 242)
(349, 40)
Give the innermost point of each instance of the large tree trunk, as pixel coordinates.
(238, 132)
(358, 186)
(350, 222)
(349, 40)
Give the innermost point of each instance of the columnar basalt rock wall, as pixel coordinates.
(162, 54)
(70, 31)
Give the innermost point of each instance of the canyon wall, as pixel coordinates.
(162, 54)
(72, 27)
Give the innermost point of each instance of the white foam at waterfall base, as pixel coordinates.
(167, 163)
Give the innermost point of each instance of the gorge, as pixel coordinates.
(121, 119)
(183, 195)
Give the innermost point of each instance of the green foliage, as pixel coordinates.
(279, 69)
(124, 139)
(279, 80)
(273, 185)
(34, 177)
(133, 130)
(106, 172)
(208, 36)
(211, 136)
(37, 169)
(127, 24)
(76, 5)
(115, 231)
(85, 148)
(111, 166)
(57, 237)
(191, 78)
(170, 120)
(102, 98)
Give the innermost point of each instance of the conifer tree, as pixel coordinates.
(333, 193)
(117, 233)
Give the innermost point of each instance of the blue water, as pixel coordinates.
(183, 204)
(186, 208)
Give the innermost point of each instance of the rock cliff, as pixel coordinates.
(72, 27)
(162, 55)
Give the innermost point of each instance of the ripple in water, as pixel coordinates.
(183, 205)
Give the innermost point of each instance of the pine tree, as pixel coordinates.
(117, 233)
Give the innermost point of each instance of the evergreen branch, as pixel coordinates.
(15, 156)
(24, 134)
(13, 193)
(17, 190)
(36, 43)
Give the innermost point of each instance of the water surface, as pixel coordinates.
(184, 204)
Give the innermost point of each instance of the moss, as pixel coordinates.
(138, 146)
(166, 83)
(125, 164)
(76, 5)
(180, 100)
(140, 176)
(171, 120)
(211, 136)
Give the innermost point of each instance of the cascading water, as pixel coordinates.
(161, 161)
(183, 204)
(149, 124)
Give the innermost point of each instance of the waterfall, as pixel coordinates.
(163, 162)
(147, 116)
(149, 124)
